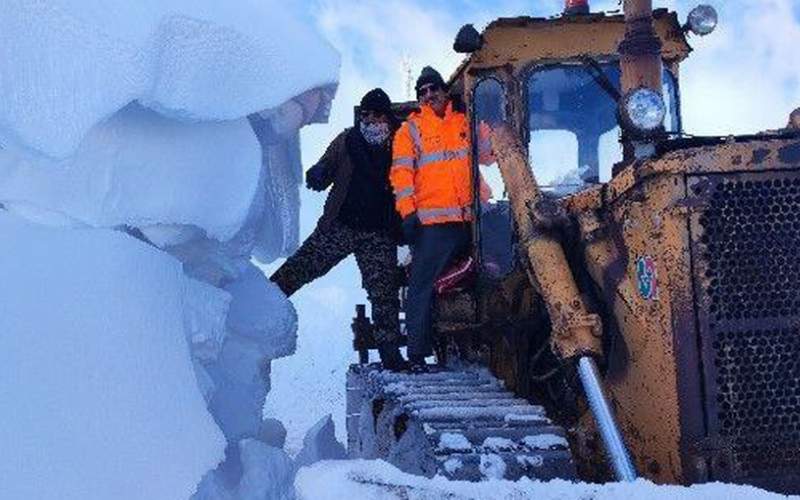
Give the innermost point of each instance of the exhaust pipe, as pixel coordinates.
(612, 439)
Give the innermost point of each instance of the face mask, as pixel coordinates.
(375, 133)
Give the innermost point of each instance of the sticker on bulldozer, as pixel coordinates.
(646, 278)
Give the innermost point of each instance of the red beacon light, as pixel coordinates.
(572, 7)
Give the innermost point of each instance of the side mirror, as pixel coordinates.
(702, 20)
(468, 40)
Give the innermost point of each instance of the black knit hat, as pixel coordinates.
(428, 76)
(376, 100)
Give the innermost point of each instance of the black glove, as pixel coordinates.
(410, 228)
(317, 177)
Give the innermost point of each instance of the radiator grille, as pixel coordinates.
(752, 231)
(750, 251)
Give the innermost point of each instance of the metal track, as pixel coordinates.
(461, 424)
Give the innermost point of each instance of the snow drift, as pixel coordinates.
(138, 152)
(95, 375)
(66, 65)
(148, 150)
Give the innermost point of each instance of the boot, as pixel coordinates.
(417, 365)
(391, 358)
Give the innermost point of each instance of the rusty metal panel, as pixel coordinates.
(745, 232)
(456, 311)
(643, 377)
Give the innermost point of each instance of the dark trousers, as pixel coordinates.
(434, 248)
(376, 256)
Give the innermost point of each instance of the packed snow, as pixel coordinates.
(150, 150)
(378, 480)
(492, 466)
(545, 442)
(138, 151)
(66, 65)
(530, 461)
(320, 444)
(95, 372)
(450, 441)
(452, 465)
(498, 444)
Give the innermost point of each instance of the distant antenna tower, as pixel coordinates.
(408, 78)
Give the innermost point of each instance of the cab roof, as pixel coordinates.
(520, 41)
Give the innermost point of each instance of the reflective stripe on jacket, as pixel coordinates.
(431, 172)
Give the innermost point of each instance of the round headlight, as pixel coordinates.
(644, 109)
(702, 20)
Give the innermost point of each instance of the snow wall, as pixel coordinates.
(148, 151)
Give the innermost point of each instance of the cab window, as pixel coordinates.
(573, 134)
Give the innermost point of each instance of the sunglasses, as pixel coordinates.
(428, 89)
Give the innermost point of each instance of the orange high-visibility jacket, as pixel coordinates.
(431, 173)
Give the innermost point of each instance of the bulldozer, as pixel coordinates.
(631, 306)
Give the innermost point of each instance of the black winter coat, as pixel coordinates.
(361, 196)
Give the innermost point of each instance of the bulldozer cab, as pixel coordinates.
(569, 124)
(555, 83)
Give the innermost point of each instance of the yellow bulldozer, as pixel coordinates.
(635, 305)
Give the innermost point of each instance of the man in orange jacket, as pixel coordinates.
(432, 181)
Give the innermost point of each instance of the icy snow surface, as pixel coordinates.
(377, 480)
(95, 374)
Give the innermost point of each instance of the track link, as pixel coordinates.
(461, 424)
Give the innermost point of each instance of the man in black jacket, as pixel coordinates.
(359, 218)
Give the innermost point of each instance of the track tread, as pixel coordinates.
(462, 424)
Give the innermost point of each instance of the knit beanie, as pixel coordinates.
(376, 100)
(428, 76)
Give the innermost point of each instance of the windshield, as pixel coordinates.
(572, 124)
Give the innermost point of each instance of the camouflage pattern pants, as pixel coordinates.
(376, 256)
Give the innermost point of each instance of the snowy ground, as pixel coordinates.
(377, 480)
(311, 383)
